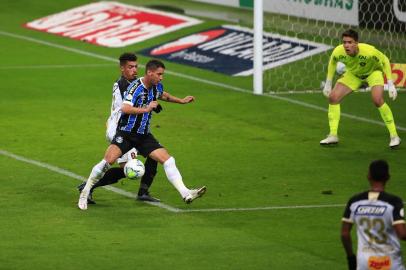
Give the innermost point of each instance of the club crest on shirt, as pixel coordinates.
(119, 139)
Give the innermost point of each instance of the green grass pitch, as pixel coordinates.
(252, 152)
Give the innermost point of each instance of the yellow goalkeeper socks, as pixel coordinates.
(333, 118)
(387, 117)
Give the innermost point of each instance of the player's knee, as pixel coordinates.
(169, 162)
(378, 102)
(160, 155)
(333, 99)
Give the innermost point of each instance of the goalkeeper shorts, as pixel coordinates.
(355, 82)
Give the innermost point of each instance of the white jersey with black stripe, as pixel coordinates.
(375, 214)
(119, 88)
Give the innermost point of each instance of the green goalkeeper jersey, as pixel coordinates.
(362, 64)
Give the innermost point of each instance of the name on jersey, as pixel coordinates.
(229, 49)
(370, 210)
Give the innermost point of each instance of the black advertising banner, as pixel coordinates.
(230, 50)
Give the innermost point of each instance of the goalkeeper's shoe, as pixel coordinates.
(90, 196)
(394, 142)
(194, 194)
(331, 139)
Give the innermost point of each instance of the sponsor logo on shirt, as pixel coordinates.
(379, 263)
(370, 210)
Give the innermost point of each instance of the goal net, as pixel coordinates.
(381, 23)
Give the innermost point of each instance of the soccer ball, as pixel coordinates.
(340, 68)
(134, 168)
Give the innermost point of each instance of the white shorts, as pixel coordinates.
(110, 133)
(132, 154)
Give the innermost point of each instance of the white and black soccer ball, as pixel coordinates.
(134, 169)
(340, 68)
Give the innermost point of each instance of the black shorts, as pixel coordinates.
(144, 144)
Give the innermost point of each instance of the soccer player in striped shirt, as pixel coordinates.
(364, 64)
(134, 131)
(379, 218)
(128, 68)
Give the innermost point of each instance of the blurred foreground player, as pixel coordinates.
(379, 218)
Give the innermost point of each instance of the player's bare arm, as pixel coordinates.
(400, 230)
(169, 98)
(347, 243)
(346, 238)
(129, 109)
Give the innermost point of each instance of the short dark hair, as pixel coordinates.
(379, 170)
(127, 56)
(350, 33)
(154, 64)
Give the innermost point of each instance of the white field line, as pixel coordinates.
(264, 208)
(226, 86)
(81, 178)
(161, 205)
(55, 66)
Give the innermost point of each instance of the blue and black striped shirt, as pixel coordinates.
(139, 96)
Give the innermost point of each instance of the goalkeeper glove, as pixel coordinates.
(158, 108)
(352, 262)
(327, 88)
(393, 93)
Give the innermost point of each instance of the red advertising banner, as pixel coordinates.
(111, 24)
(399, 74)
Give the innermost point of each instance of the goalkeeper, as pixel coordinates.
(364, 64)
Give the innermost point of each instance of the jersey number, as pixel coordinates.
(377, 225)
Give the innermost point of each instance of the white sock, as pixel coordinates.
(173, 175)
(97, 173)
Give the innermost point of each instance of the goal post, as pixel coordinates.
(258, 45)
(381, 23)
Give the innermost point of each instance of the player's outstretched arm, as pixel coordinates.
(169, 98)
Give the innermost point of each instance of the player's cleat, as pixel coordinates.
(82, 203)
(331, 139)
(90, 197)
(394, 141)
(194, 194)
(146, 197)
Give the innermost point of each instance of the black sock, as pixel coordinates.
(150, 172)
(110, 177)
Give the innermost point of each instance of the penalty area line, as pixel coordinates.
(160, 205)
